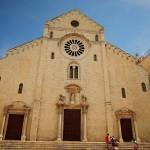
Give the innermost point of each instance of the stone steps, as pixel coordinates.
(54, 145)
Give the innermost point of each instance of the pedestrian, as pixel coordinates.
(113, 141)
(107, 140)
(135, 145)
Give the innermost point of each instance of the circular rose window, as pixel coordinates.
(74, 48)
(75, 23)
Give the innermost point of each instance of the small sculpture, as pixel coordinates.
(61, 99)
(84, 98)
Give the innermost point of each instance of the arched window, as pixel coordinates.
(51, 34)
(95, 57)
(52, 55)
(96, 37)
(143, 87)
(76, 72)
(73, 71)
(123, 93)
(20, 88)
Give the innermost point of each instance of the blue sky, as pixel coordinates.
(126, 22)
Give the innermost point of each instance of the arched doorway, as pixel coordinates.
(72, 119)
(14, 121)
(127, 126)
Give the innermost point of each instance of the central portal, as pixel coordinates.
(72, 125)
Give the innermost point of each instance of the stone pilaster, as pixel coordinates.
(136, 130)
(109, 116)
(38, 92)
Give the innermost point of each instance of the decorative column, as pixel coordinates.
(120, 133)
(85, 106)
(136, 130)
(3, 123)
(60, 109)
(84, 125)
(23, 138)
(60, 106)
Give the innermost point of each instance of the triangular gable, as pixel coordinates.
(64, 21)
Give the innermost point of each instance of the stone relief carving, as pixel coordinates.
(125, 113)
(72, 90)
(83, 98)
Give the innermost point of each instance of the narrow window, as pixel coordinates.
(51, 34)
(0, 78)
(143, 87)
(76, 72)
(52, 55)
(20, 88)
(95, 57)
(123, 93)
(96, 37)
(71, 71)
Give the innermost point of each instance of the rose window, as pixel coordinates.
(74, 48)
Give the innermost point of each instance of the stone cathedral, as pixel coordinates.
(73, 85)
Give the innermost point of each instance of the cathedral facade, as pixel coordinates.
(73, 85)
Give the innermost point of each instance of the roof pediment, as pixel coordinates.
(64, 21)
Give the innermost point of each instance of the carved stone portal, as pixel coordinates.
(125, 113)
(17, 107)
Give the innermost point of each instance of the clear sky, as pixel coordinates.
(126, 22)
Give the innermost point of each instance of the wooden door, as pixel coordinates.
(72, 125)
(126, 129)
(14, 127)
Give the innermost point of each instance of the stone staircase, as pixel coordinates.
(54, 145)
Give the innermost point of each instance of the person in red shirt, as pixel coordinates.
(107, 140)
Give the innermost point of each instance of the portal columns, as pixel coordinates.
(23, 138)
(84, 108)
(60, 110)
(2, 127)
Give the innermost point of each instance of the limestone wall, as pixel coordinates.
(20, 66)
(125, 73)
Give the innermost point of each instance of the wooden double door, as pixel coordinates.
(126, 129)
(14, 127)
(72, 125)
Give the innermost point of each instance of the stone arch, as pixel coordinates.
(16, 108)
(74, 34)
